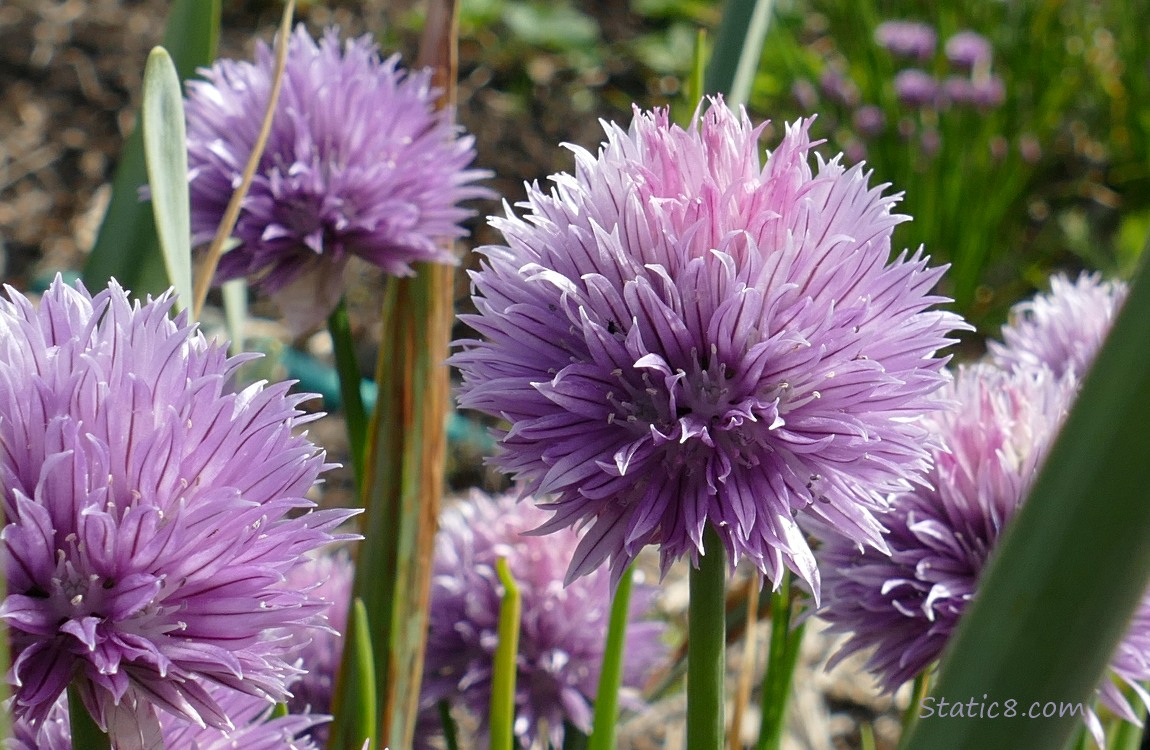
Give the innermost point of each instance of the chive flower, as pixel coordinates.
(152, 513)
(562, 631)
(255, 728)
(904, 607)
(360, 162)
(1062, 329)
(684, 335)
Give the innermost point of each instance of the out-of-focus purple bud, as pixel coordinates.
(805, 94)
(910, 39)
(868, 121)
(839, 88)
(989, 92)
(999, 147)
(1029, 148)
(958, 90)
(915, 88)
(968, 49)
(930, 141)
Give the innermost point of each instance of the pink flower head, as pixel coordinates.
(1062, 329)
(684, 335)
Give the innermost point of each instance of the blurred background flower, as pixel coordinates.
(562, 632)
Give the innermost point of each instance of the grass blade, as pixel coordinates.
(1078, 545)
(166, 160)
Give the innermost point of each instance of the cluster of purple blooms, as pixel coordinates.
(563, 630)
(682, 336)
(902, 608)
(969, 54)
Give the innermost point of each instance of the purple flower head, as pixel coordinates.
(152, 514)
(909, 39)
(988, 92)
(359, 162)
(906, 606)
(563, 628)
(684, 336)
(254, 729)
(1062, 329)
(915, 88)
(968, 50)
(958, 90)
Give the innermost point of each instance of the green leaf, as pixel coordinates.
(126, 247)
(166, 159)
(738, 47)
(235, 294)
(1060, 590)
(351, 396)
(362, 677)
(502, 712)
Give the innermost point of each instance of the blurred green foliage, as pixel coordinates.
(1056, 176)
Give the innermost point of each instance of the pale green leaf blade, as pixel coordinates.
(126, 247)
(738, 48)
(166, 160)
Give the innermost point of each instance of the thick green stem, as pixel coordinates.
(781, 660)
(611, 672)
(347, 365)
(86, 734)
(706, 647)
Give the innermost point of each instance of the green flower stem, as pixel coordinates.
(611, 672)
(781, 660)
(502, 712)
(450, 730)
(706, 646)
(346, 364)
(86, 734)
(918, 694)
